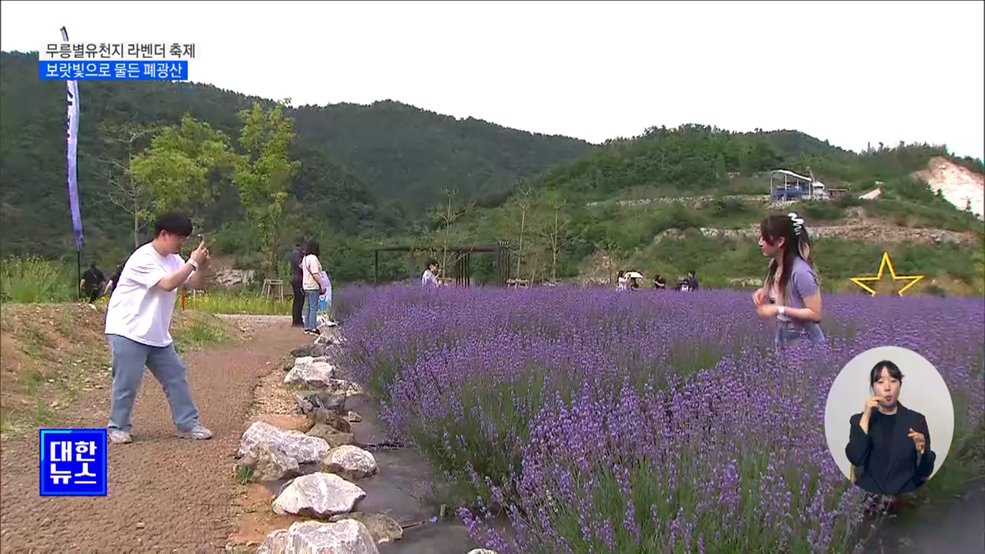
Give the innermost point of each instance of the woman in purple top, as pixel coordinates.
(790, 293)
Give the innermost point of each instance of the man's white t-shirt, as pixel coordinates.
(138, 310)
(429, 279)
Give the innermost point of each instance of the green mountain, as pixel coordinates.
(662, 202)
(368, 170)
(671, 200)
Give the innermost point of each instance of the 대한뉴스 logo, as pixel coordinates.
(868, 283)
(72, 462)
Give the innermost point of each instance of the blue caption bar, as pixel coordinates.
(113, 70)
(72, 462)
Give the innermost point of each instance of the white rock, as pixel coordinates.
(350, 462)
(274, 454)
(345, 537)
(275, 543)
(382, 527)
(324, 320)
(349, 388)
(318, 494)
(315, 373)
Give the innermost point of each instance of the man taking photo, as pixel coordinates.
(138, 323)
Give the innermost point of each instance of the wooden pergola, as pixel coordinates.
(462, 254)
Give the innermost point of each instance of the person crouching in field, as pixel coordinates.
(138, 322)
(92, 282)
(790, 294)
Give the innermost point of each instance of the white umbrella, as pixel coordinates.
(634, 275)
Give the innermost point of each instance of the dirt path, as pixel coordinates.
(165, 494)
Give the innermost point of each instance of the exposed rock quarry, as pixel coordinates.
(959, 185)
(351, 462)
(273, 454)
(319, 495)
(859, 232)
(383, 528)
(233, 277)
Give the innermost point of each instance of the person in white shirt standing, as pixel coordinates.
(313, 286)
(138, 322)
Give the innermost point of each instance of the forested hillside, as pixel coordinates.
(367, 170)
(359, 177)
(672, 200)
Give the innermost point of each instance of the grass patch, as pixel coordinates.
(7, 423)
(244, 475)
(32, 280)
(195, 330)
(238, 303)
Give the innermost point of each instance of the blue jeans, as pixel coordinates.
(311, 310)
(791, 334)
(129, 360)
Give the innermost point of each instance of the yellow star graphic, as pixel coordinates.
(861, 281)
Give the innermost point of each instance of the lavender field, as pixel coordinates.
(598, 421)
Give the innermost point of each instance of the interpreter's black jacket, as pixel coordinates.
(885, 457)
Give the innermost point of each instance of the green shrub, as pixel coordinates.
(32, 280)
(819, 210)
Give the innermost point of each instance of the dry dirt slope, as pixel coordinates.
(165, 494)
(959, 185)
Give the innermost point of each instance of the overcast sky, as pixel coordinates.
(848, 72)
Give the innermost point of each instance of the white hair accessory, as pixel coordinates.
(798, 222)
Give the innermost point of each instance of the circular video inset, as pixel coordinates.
(889, 420)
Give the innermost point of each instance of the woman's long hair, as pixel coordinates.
(797, 244)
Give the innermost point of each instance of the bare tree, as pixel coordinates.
(557, 235)
(125, 192)
(450, 213)
(523, 202)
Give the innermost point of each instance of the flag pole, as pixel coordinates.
(72, 141)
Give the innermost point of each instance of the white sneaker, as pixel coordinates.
(118, 436)
(199, 432)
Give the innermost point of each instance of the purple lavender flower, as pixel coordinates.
(606, 422)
